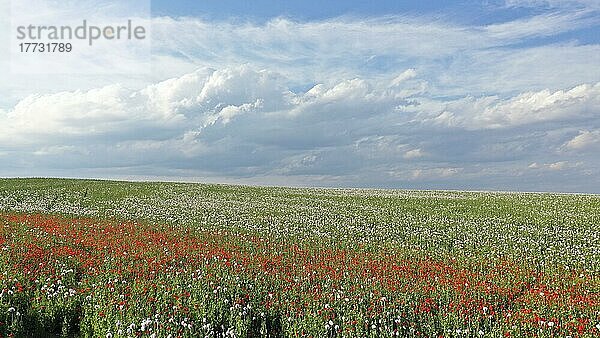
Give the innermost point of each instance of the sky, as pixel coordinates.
(465, 95)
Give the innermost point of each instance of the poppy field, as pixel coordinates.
(82, 258)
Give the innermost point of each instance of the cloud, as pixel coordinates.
(586, 140)
(406, 75)
(507, 71)
(555, 166)
(108, 111)
(55, 150)
(414, 153)
(491, 112)
(558, 165)
(541, 25)
(245, 122)
(590, 4)
(201, 97)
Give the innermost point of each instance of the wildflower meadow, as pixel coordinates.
(82, 258)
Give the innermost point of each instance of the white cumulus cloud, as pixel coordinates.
(587, 139)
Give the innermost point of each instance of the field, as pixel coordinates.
(116, 259)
